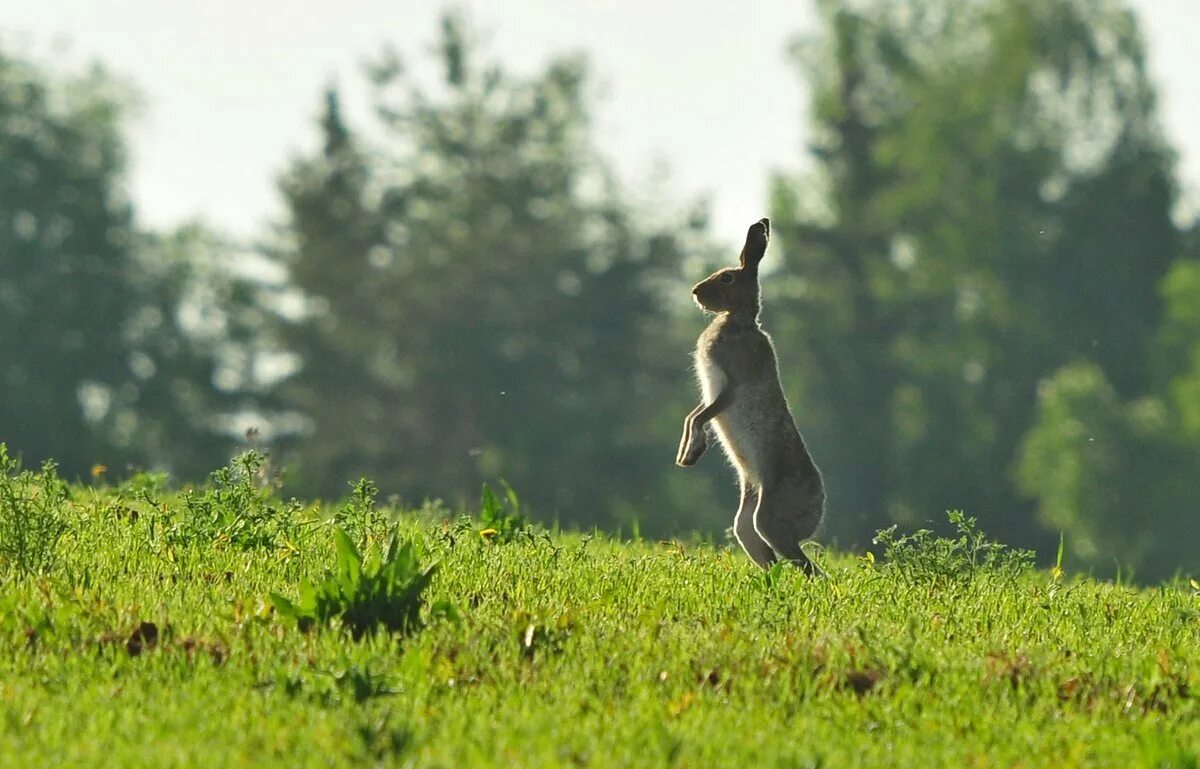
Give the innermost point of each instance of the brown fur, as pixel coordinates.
(782, 495)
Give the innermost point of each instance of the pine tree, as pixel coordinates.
(998, 205)
(479, 302)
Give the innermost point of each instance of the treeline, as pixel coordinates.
(980, 296)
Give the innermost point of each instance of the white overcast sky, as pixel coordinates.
(231, 87)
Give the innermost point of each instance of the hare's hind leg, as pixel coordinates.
(743, 527)
(785, 520)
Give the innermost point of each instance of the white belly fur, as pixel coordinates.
(737, 426)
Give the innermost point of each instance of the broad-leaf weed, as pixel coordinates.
(363, 596)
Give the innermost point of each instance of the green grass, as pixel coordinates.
(150, 639)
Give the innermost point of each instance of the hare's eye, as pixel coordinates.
(727, 277)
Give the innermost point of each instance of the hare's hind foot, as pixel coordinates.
(808, 567)
(784, 524)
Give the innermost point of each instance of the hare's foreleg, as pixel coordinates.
(783, 522)
(743, 526)
(694, 442)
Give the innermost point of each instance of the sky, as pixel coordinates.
(702, 89)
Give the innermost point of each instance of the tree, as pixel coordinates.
(198, 355)
(999, 201)
(1118, 477)
(478, 301)
(99, 362)
(66, 240)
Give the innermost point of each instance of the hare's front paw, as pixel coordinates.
(690, 453)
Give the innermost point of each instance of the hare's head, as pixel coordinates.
(735, 289)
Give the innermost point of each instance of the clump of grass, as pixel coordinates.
(31, 515)
(364, 595)
(501, 519)
(923, 555)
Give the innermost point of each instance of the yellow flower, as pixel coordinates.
(679, 704)
(98, 470)
(488, 533)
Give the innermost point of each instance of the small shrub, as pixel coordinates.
(334, 687)
(146, 486)
(382, 592)
(924, 555)
(31, 518)
(358, 515)
(234, 507)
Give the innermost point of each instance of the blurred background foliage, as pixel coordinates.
(979, 294)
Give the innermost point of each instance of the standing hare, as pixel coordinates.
(782, 496)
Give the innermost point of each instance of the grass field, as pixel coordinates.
(138, 628)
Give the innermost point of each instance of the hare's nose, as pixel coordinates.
(696, 290)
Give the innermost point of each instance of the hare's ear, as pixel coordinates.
(756, 244)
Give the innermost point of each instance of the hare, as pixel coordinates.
(782, 495)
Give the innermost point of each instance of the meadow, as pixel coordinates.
(223, 625)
